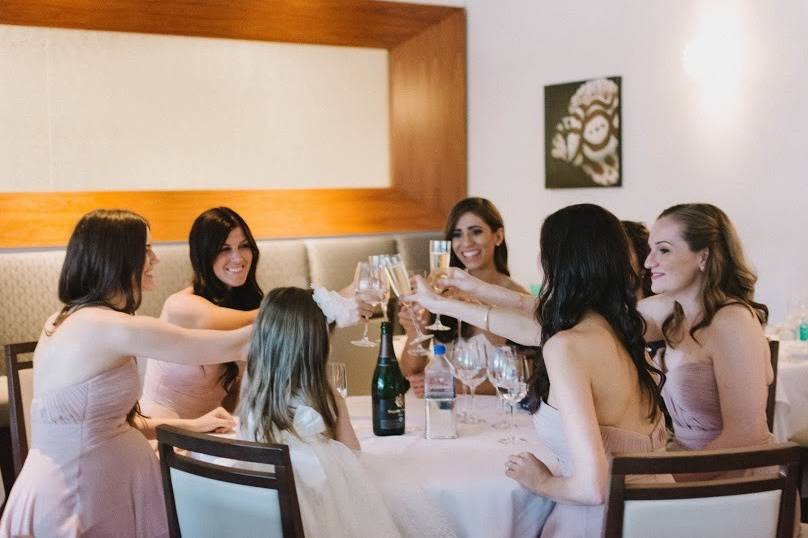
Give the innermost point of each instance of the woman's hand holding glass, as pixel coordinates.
(399, 280)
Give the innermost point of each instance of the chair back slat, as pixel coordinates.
(20, 394)
(756, 504)
(774, 349)
(257, 492)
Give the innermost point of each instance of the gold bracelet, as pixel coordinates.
(487, 314)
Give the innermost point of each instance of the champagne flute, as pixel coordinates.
(439, 256)
(399, 280)
(338, 377)
(469, 360)
(376, 262)
(508, 373)
(369, 288)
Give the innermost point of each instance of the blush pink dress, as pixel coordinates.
(578, 521)
(691, 396)
(88, 472)
(182, 391)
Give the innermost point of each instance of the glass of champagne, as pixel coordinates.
(508, 373)
(370, 289)
(376, 262)
(399, 280)
(469, 360)
(439, 256)
(337, 377)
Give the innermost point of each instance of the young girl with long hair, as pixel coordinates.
(286, 398)
(89, 471)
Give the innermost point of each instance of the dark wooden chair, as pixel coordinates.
(774, 348)
(20, 393)
(208, 499)
(756, 506)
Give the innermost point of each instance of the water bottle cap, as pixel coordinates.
(439, 349)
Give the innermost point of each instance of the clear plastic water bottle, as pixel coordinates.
(439, 393)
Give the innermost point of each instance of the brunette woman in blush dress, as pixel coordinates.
(477, 232)
(89, 471)
(594, 392)
(224, 295)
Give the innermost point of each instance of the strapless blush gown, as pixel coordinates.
(691, 396)
(181, 391)
(577, 521)
(88, 472)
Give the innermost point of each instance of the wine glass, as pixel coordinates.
(508, 373)
(376, 262)
(469, 360)
(370, 288)
(438, 261)
(399, 280)
(337, 377)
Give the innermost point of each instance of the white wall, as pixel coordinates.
(83, 110)
(735, 135)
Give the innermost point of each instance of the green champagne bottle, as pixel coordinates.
(388, 388)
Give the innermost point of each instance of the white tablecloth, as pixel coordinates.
(791, 396)
(464, 477)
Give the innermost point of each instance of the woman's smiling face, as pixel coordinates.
(474, 242)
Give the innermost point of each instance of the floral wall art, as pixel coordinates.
(582, 145)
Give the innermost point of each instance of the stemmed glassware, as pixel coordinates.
(377, 263)
(508, 372)
(399, 280)
(338, 377)
(469, 359)
(439, 256)
(371, 289)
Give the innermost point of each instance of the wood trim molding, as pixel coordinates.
(427, 70)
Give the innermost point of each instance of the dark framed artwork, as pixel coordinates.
(582, 143)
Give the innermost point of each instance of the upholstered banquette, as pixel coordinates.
(28, 284)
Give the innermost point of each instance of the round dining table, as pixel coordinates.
(463, 478)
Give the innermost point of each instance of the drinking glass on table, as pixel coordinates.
(508, 373)
(337, 377)
(439, 256)
(469, 360)
(370, 289)
(399, 280)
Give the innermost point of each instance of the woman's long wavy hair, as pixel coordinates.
(287, 358)
(489, 214)
(104, 262)
(728, 278)
(587, 268)
(208, 234)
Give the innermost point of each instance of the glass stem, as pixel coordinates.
(365, 335)
(513, 436)
(471, 405)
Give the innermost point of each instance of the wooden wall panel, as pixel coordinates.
(428, 114)
(359, 23)
(47, 219)
(427, 65)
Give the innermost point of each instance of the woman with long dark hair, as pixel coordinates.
(89, 471)
(593, 391)
(224, 294)
(477, 232)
